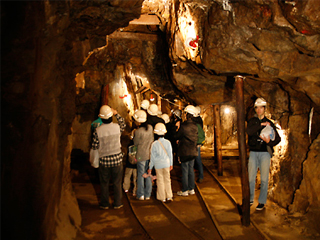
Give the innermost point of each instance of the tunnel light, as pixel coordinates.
(151, 98)
(227, 110)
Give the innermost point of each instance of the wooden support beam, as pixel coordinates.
(217, 138)
(133, 36)
(146, 19)
(104, 94)
(242, 151)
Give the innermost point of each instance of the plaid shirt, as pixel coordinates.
(111, 160)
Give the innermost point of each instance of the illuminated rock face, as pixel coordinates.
(202, 46)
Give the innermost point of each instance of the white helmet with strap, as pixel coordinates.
(165, 117)
(153, 110)
(260, 102)
(192, 110)
(145, 104)
(105, 112)
(177, 112)
(160, 129)
(140, 116)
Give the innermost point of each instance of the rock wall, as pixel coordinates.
(44, 44)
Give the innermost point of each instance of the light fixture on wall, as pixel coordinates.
(227, 110)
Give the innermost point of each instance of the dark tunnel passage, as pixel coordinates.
(62, 60)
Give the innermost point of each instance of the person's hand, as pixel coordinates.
(114, 111)
(171, 167)
(149, 171)
(266, 139)
(265, 124)
(178, 125)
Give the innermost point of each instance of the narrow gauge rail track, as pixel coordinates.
(158, 222)
(235, 203)
(183, 218)
(212, 213)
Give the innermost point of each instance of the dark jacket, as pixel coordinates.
(188, 137)
(198, 120)
(254, 129)
(153, 120)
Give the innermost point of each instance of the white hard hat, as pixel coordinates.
(160, 129)
(159, 113)
(165, 117)
(198, 111)
(105, 112)
(177, 112)
(145, 104)
(153, 110)
(191, 109)
(260, 102)
(140, 116)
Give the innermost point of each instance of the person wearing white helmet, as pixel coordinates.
(187, 137)
(261, 151)
(162, 160)
(143, 138)
(201, 138)
(110, 161)
(145, 104)
(153, 117)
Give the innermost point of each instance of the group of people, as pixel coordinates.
(159, 140)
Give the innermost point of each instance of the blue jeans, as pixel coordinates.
(144, 184)
(259, 160)
(104, 174)
(198, 163)
(187, 175)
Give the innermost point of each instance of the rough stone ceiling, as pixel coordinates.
(267, 40)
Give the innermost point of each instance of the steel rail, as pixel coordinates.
(234, 201)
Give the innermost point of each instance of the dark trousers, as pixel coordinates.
(116, 174)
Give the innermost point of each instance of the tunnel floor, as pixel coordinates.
(274, 222)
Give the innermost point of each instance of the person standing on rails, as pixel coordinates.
(201, 139)
(161, 159)
(187, 137)
(143, 138)
(153, 118)
(106, 138)
(261, 150)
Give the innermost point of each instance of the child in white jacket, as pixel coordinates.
(161, 160)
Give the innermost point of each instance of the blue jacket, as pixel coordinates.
(159, 158)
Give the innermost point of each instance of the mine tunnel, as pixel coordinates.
(62, 60)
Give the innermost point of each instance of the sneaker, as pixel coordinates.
(118, 207)
(141, 198)
(126, 191)
(260, 206)
(102, 207)
(191, 192)
(134, 194)
(169, 199)
(147, 198)
(200, 180)
(184, 194)
(163, 200)
(251, 203)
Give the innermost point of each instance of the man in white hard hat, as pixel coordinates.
(106, 138)
(145, 104)
(201, 139)
(261, 150)
(187, 137)
(153, 118)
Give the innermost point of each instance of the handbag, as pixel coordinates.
(94, 158)
(132, 154)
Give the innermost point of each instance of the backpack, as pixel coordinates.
(201, 135)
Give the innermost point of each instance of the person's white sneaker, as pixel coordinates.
(184, 194)
(141, 198)
(191, 192)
